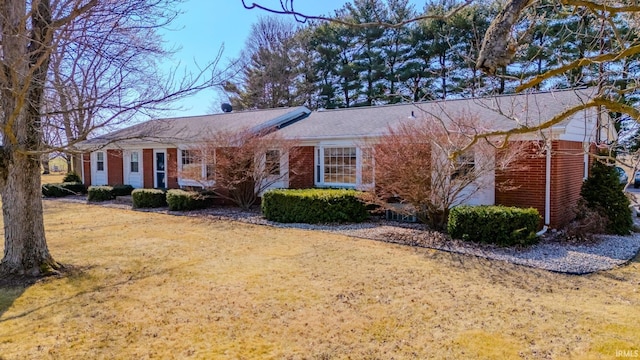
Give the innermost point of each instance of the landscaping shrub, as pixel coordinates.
(148, 198)
(63, 189)
(72, 177)
(100, 193)
(122, 190)
(587, 223)
(314, 206)
(501, 225)
(603, 192)
(180, 200)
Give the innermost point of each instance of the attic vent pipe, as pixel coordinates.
(412, 116)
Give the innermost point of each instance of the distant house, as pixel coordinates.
(335, 146)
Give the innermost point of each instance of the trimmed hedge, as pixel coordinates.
(148, 198)
(122, 190)
(180, 200)
(100, 193)
(313, 206)
(501, 225)
(63, 189)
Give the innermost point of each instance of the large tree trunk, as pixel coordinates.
(22, 88)
(25, 246)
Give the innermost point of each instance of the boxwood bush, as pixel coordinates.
(313, 206)
(122, 190)
(501, 225)
(148, 198)
(180, 200)
(63, 189)
(100, 193)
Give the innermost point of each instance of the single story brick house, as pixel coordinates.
(334, 146)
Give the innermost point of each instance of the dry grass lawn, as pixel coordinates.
(159, 286)
(53, 178)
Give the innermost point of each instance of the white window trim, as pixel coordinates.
(318, 172)
(191, 182)
(281, 180)
(263, 163)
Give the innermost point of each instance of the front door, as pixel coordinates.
(160, 168)
(133, 168)
(99, 168)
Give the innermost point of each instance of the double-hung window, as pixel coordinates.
(191, 164)
(463, 165)
(134, 164)
(344, 166)
(272, 162)
(196, 165)
(210, 164)
(100, 161)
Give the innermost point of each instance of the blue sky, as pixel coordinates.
(205, 25)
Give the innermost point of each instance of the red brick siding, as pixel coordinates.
(114, 167)
(528, 179)
(172, 168)
(147, 167)
(523, 184)
(301, 167)
(567, 171)
(86, 168)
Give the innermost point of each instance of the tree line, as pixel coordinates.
(328, 65)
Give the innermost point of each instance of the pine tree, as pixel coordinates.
(603, 192)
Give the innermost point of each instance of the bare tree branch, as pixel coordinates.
(287, 8)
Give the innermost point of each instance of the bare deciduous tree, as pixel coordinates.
(239, 166)
(420, 169)
(92, 45)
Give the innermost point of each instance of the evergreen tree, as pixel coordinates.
(603, 192)
(396, 48)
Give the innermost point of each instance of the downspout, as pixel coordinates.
(82, 169)
(547, 190)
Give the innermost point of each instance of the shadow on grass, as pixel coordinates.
(8, 294)
(11, 288)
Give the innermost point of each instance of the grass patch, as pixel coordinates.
(175, 287)
(54, 178)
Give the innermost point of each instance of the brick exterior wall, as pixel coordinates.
(172, 168)
(523, 184)
(86, 168)
(567, 171)
(114, 167)
(528, 179)
(147, 168)
(301, 167)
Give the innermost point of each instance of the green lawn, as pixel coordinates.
(160, 286)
